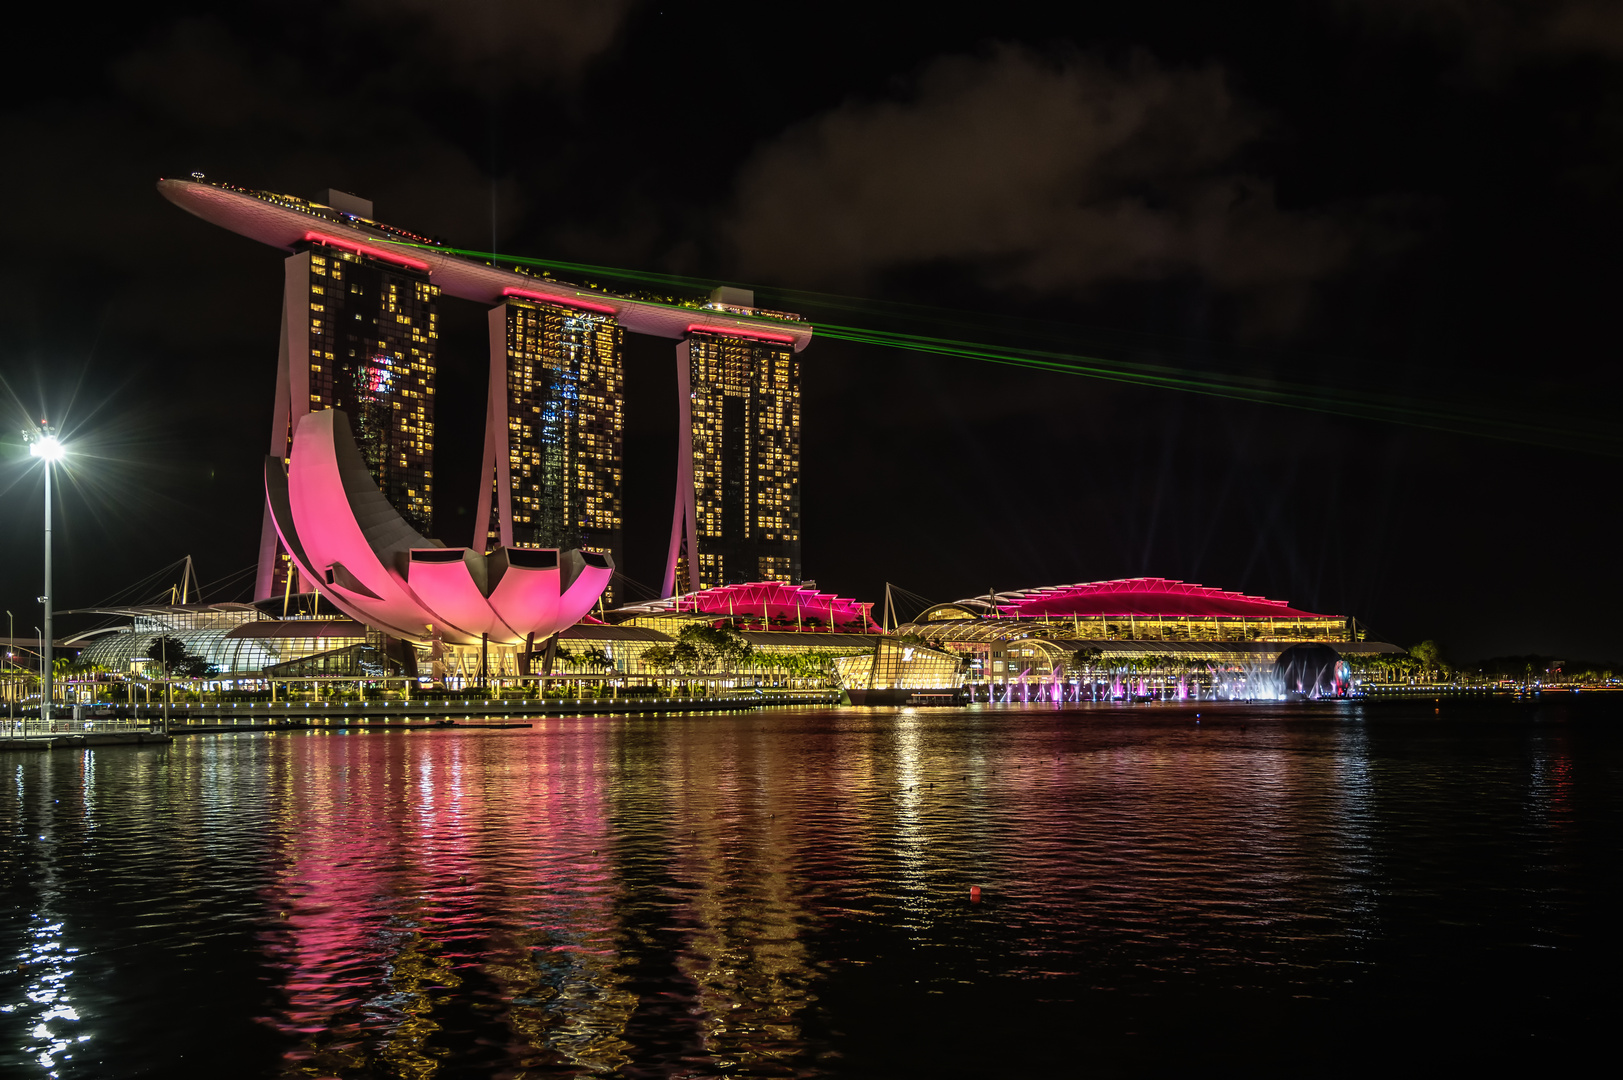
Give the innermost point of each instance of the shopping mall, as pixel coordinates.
(1141, 637)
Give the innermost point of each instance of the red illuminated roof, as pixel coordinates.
(797, 604)
(1137, 597)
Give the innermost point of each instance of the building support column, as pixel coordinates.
(495, 471)
(684, 522)
(270, 545)
(291, 402)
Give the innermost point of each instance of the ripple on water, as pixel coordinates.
(787, 893)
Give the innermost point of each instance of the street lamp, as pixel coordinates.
(163, 651)
(44, 444)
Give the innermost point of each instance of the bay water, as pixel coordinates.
(1275, 889)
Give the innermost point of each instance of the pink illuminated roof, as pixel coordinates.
(376, 251)
(770, 600)
(283, 225)
(1135, 596)
(761, 335)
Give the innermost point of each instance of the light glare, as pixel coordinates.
(49, 448)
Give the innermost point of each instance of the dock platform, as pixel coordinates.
(93, 738)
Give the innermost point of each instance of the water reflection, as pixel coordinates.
(42, 1002)
(45, 964)
(743, 954)
(778, 893)
(427, 887)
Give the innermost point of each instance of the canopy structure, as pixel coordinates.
(768, 601)
(1145, 597)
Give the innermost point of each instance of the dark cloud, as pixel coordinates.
(503, 41)
(1058, 176)
(198, 95)
(197, 73)
(1587, 26)
(1495, 34)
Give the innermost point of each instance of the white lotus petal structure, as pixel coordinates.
(347, 540)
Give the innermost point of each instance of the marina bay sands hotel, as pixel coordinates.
(360, 332)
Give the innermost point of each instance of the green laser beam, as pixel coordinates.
(1441, 416)
(646, 276)
(1255, 390)
(890, 310)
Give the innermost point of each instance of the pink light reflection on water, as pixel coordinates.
(401, 881)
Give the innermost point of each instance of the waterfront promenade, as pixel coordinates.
(140, 724)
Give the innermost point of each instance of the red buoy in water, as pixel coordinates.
(974, 894)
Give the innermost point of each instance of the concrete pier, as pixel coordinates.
(73, 742)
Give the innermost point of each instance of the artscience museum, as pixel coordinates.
(364, 557)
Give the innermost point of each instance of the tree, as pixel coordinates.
(687, 657)
(596, 659)
(172, 657)
(1086, 661)
(1429, 656)
(735, 652)
(702, 648)
(1363, 666)
(815, 664)
(658, 658)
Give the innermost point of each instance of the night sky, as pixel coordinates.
(1416, 201)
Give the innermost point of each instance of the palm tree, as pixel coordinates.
(822, 666)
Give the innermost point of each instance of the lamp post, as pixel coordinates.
(11, 658)
(163, 651)
(43, 444)
(38, 637)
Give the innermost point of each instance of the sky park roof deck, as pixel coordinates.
(285, 221)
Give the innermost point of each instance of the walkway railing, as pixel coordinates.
(31, 728)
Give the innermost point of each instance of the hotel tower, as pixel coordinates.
(737, 516)
(359, 331)
(553, 434)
